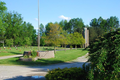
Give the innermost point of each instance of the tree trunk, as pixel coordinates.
(54, 50)
(70, 47)
(75, 46)
(3, 44)
(62, 45)
(81, 46)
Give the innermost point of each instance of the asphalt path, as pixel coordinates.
(16, 72)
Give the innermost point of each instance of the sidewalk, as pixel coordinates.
(6, 57)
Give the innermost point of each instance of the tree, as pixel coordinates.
(104, 57)
(27, 41)
(42, 40)
(64, 38)
(94, 22)
(2, 7)
(113, 23)
(34, 38)
(2, 31)
(13, 27)
(14, 21)
(63, 24)
(41, 29)
(92, 34)
(30, 30)
(54, 35)
(48, 28)
(47, 40)
(3, 24)
(9, 42)
(79, 25)
(71, 39)
(75, 25)
(78, 39)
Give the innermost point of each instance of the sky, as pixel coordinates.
(57, 10)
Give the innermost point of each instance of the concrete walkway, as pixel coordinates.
(22, 72)
(6, 57)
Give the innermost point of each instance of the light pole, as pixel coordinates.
(38, 29)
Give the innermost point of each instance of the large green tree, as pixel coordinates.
(78, 39)
(42, 29)
(112, 23)
(54, 35)
(48, 28)
(63, 24)
(64, 38)
(3, 24)
(14, 21)
(74, 25)
(42, 39)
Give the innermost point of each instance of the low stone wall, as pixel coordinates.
(46, 54)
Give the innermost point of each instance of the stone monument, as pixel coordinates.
(86, 37)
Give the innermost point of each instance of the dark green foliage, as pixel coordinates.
(105, 57)
(67, 74)
(100, 26)
(95, 32)
(2, 7)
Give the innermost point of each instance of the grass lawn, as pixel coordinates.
(19, 50)
(60, 57)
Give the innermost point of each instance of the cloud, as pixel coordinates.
(36, 19)
(63, 17)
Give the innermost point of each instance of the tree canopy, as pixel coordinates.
(13, 27)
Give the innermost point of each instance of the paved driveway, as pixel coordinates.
(8, 72)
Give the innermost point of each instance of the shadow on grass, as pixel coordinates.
(51, 49)
(39, 62)
(16, 53)
(48, 49)
(87, 48)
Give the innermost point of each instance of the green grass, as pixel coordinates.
(20, 50)
(60, 57)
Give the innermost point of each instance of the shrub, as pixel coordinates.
(34, 53)
(105, 57)
(67, 74)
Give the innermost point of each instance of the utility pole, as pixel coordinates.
(38, 29)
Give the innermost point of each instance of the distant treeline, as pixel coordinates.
(14, 31)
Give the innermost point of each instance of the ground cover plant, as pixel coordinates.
(60, 56)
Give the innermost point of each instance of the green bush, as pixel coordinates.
(34, 53)
(104, 56)
(67, 74)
